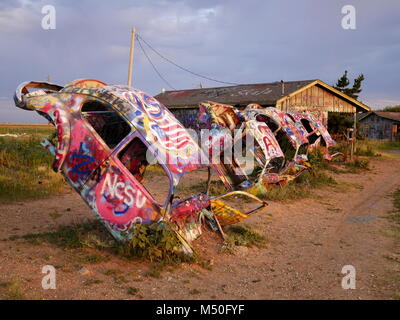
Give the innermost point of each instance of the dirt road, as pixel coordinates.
(309, 241)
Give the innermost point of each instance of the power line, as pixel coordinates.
(152, 64)
(183, 68)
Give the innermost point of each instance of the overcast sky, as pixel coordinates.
(250, 41)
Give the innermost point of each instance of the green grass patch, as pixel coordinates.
(25, 170)
(94, 258)
(155, 170)
(395, 216)
(194, 291)
(396, 199)
(132, 291)
(241, 235)
(157, 242)
(299, 188)
(160, 245)
(112, 272)
(36, 130)
(216, 188)
(357, 165)
(376, 145)
(90, 282)
(319, 175)
(68, 237)
(367, 151)
(12, 290)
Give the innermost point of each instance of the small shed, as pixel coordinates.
(380, 125)
(306, 95)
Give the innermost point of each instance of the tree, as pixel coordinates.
(343, 83)
(391, 109)
(339, 122)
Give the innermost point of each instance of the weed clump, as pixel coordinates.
(132, 291)
(12, 290)
(356, 165)
(368, 151)
(395, 216)
(157, 242)
(237, 235)
(396, 199)
(301, 187)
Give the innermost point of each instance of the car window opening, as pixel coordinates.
(280, 135)
(106, 121)
(268, 121)
(313, 137)
(152, 176)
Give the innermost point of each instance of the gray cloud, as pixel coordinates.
(236, 41)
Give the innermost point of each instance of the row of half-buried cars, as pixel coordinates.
(106, 134)
(279, 143)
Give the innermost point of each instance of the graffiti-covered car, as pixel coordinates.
(107, 138)
(230, 131)
(316, 133)
(283, 126)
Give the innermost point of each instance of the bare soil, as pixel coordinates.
(308, 243)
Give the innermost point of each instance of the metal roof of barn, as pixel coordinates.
(244, 94)
(395, 116)
(262, 93)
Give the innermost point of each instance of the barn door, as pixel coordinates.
(394, 132)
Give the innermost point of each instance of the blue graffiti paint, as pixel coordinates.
(77, 167)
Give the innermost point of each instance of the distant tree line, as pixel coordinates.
(391, 109)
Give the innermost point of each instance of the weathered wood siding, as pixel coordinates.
(377, 128)
(316, 98)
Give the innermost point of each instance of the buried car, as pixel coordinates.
(230, 130)
(107, 139)
(283, 127)
(315, 131)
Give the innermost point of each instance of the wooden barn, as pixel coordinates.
(380, 125)
(307, 95)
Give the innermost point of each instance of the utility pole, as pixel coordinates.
(131, 57)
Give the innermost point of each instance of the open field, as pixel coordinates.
(25, 170)
(30, 129)
(294, 249)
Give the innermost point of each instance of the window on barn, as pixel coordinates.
(152, 176)
(106, 121)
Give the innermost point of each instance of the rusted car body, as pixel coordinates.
(226, 124)
(104, 137)
(315, 131)
(280, 143)
(282, 125)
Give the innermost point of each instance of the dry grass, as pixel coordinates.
(25, 166)
(12, 290)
